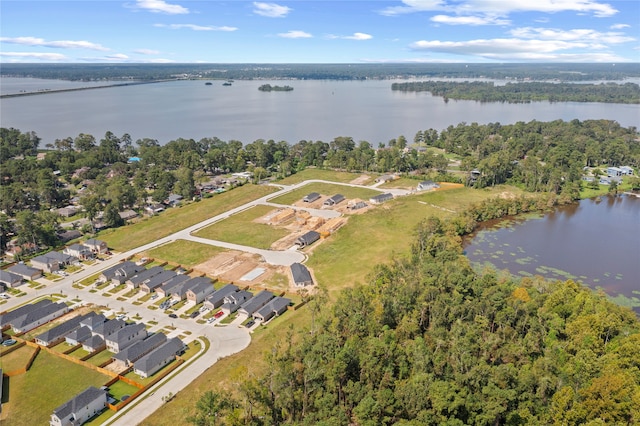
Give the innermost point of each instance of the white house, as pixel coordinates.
(80, 408)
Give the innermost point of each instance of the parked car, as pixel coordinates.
(210, 320)
(195, 314)
(250, 324)
(173, 316)
(4, 296)
(218, 314)
(9, 342)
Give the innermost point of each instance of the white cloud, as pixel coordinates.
(116, 57)
(270, 10)
(469, 20)
(358, 36)
(35, 55)
(584, 35)
(295, 34)
(619, 26)
(194, 27)
(502, 7)
(160, 61)
(147, 51)
(160, 6)
(60, 44)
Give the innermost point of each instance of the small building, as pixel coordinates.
(93, 344)
(45, 263)
(200, 291)
(167, 287)
(36, 318)
(127, 356)
(381, 198)
(126, 336)
(308, 239)
(234, 301)
(96, 246)
(127, 215)
(277, 306)
(310, 198)
(216, 299)
(158, 358)
(157, 281)
(9, 279)
(255, 303)
(78, 336)
(69, 235)
(67, 211)
(107, 328)
(8, 317)
(614, 171)
(626, 170)
(142, 276)
(180, 291)
(358, 205)
(427, 185)
(385, 178)
(80, 251)
(334, 199)
(301, 275)
(154, 208)
(80, 408)
(122, 272)
(57, 334)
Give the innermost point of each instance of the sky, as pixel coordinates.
(347, 31)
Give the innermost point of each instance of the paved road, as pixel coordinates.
(225, 340)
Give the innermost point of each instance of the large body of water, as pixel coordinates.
(314, 110)
(595, 242)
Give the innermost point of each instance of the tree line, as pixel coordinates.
(430, 341)
(627, 93)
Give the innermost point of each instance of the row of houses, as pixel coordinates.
(263, 306)
(30, 316)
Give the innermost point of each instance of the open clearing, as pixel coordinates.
(325, 189)
(322, 174)
(183, 252)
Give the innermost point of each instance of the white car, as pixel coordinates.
(4, 296)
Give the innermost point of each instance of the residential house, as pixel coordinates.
(80, 251)
(427, 185)
(14, 250)
(57, 334)
(127, 215)
(614, 172)
(310, 198)
(216, 299)
(37, 317)
(7, 318)
(157, 281)
(127, 356)
(45, 263)
(626, 170)
(78, 336)
(154, 208)
(125, 337)
(381, 198)
(180, 292)
(67, 211)
(277, 306)
(108, 328)
(255, 303)
(301, 275)
(121, 272)
(80, 408)
(9, 279)
(334, 199)
(69, 235)
(93, 322)
(158, 358)
(94, 343)
(96, 246)
(198, 292)
(142, 276)
(173, 200)
(233, 301)
(358, 205)
(385, 178)
(308, 239)
(166, 288)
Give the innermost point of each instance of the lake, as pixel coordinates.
(595, 242)
(314, 110)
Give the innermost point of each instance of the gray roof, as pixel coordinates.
(22, 310)
(256, 302)
(94, 321)
(156, 357)
(125, 333)
(201, 287)
(80, 334)
(79, 401)
(217, 297)
(142, 276)
(24, 270)
(9, 277)
(238, 297)
(300, 273)
(157, 280)
(107, 328)
(94, 242)
(93, 342)
(63, 329)
(382, 197)
(311, 197)
(276, 305)
(36, 315)
(174, 282)
(309, 238)
(141, 348)
(188, 285)
(335, 199)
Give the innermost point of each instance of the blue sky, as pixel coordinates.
(159, 31)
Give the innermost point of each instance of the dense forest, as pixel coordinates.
(561, 72)
(628, 93)
(428, 341)
(536, 156)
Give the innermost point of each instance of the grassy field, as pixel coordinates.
(334, 176)
(240, 229)
(16, 359)
(186, 253)
(172, 220)
(49, 383)
(324, 189)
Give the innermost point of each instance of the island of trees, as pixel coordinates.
(628, 93)
(276, 88)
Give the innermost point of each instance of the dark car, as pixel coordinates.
(250, 324)
(173, 316)
(195, 314)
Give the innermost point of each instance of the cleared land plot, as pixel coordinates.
(240, 229)
(186, 253)
(175, 219)
(50, 382)
(321, 174)
(325, 189)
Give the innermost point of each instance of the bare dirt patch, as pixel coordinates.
(361, 180)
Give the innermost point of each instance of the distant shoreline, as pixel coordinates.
(75, 89)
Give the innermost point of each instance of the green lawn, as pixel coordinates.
(49, 383)
(186, 253)
(240, 229)
(16, 359)
(326, 189)
(100, 357)
(334, 176)
(172, 220)
(120, 389)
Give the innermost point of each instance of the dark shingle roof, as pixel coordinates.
(35, 315)
(141, 348)
(300, 273)
(256, 302)
(64, 328)
(125, 333)
(79, 401)
(79, 334)
(218, 296)
(22, 310)
(150, 361)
